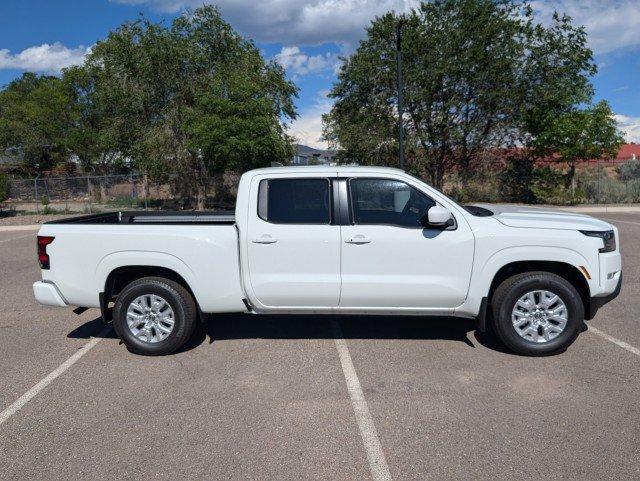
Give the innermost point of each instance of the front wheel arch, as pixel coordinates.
(567, 271)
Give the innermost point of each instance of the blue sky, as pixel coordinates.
(306, 37)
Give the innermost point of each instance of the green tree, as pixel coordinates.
(95, 138)
(579, 135)
(479, 75)
(186, 101)
(36, 113)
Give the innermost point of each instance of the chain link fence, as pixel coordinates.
(81, 194)
(90, 194)
(605, 184)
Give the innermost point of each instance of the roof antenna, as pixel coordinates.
(276, 164)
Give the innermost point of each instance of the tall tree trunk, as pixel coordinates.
(144, 194)
(570, 176)
(201, 196)
(201, 182)
(103, 190)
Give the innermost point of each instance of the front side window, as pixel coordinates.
(294, 201)
(387, 201)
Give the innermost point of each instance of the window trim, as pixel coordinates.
(352, 216)
(266, 196)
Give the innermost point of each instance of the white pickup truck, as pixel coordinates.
(335, 240)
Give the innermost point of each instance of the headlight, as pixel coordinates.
(607, 237)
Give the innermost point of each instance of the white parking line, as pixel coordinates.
(618, 342)
(33, 392)
(16, 238)
(372, 446)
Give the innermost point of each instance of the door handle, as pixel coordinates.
(358, 239)
(265, 239)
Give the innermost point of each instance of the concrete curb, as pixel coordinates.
(9, 228)
(601, 208)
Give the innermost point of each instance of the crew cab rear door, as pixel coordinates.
(293, 248)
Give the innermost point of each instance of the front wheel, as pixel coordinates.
(537, 313)
(154, 316)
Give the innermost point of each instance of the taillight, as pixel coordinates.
(43, 257)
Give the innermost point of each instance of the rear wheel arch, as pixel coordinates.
(121, 277)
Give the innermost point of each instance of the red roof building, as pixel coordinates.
(628, 151)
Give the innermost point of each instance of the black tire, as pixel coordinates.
(506, 296)
(182, 303)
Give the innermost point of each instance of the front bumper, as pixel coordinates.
(610, 272)
(48, 294)
(597, 302)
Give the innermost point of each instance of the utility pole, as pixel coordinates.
(400, 87)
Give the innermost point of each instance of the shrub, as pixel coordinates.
(629, 170)
(483, 187)
(548, 187)
(517, 179)
(600, 187)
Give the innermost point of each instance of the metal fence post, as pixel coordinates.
(66, 196)
(89, 193)
(35, 185)
(599, 185)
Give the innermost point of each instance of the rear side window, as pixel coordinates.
(295, 201)
(388, 202)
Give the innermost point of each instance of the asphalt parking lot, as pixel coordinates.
(308, 397)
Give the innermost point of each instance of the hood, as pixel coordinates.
(544, 218)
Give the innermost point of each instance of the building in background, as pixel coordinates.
(628, 152)
(305, 155)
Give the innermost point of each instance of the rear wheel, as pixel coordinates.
(537, 313)
(154, 316)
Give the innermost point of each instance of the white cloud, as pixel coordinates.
(307, 128)
(49, 58)
(299, 63)
(611, 24)
(293, 22)
(630, 126)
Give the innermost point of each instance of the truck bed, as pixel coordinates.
(153, 217)
(201, 248)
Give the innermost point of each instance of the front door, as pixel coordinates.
(293, 248)
(390, 260)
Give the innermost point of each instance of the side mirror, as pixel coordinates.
(438, 217)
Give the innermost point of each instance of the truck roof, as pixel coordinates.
(325, 168)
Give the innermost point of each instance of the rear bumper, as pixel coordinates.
(597, 302)
(48, 294)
